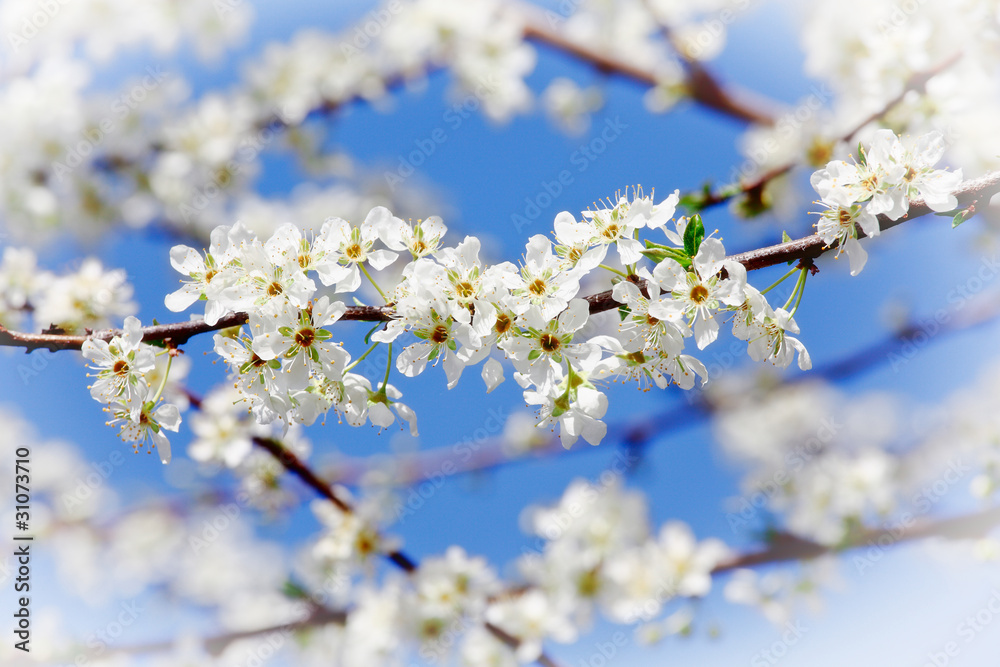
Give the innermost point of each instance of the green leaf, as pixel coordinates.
(963, 215)
(657, 255)
(785, 238)
(694, 233)
(862, 156)
(623, 312)
(294, 591)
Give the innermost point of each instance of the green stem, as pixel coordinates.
(374, 284)
(388, 366)
(605, 266)
(802, 290)
(163, 380)
(799, 286)
(780, 280)
(361, 358)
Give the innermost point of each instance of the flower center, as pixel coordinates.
(537, 287)
(871, 183)
(637, 358)
(353, 252)
(464, 290)
(503, 324)
(699, 293)
(121, 367)
(651, 321)
(440, 334)
(305, 337)
(611, 231)
(304, 260)
(274, 289)
(549, 343)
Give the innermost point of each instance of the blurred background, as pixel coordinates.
(903, 354)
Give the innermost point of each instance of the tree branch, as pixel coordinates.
(703, 88)
(786, 547)
(810, 247)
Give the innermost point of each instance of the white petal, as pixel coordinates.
(492, 374)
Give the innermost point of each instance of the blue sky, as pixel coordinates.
(483, 173)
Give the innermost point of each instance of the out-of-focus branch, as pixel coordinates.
(786, 547)
(217, 644)
(701, 85)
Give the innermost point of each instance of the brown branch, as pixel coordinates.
(703, 88)
(810, 247)
(786, 547)
(173, 334)
(217, 644)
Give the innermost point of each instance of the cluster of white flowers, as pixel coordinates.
(34, 32)
(90, 297)
(75, 155)
(826, 468)
(123, 366)
(882, 182)
(595, 551)
(871, 63)
(290, 367)
(916, 67)
(598, 553)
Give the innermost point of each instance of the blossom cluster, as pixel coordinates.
(288, 366)
(124, 366)
(89, 297)
(882, 182)
(595, 552)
